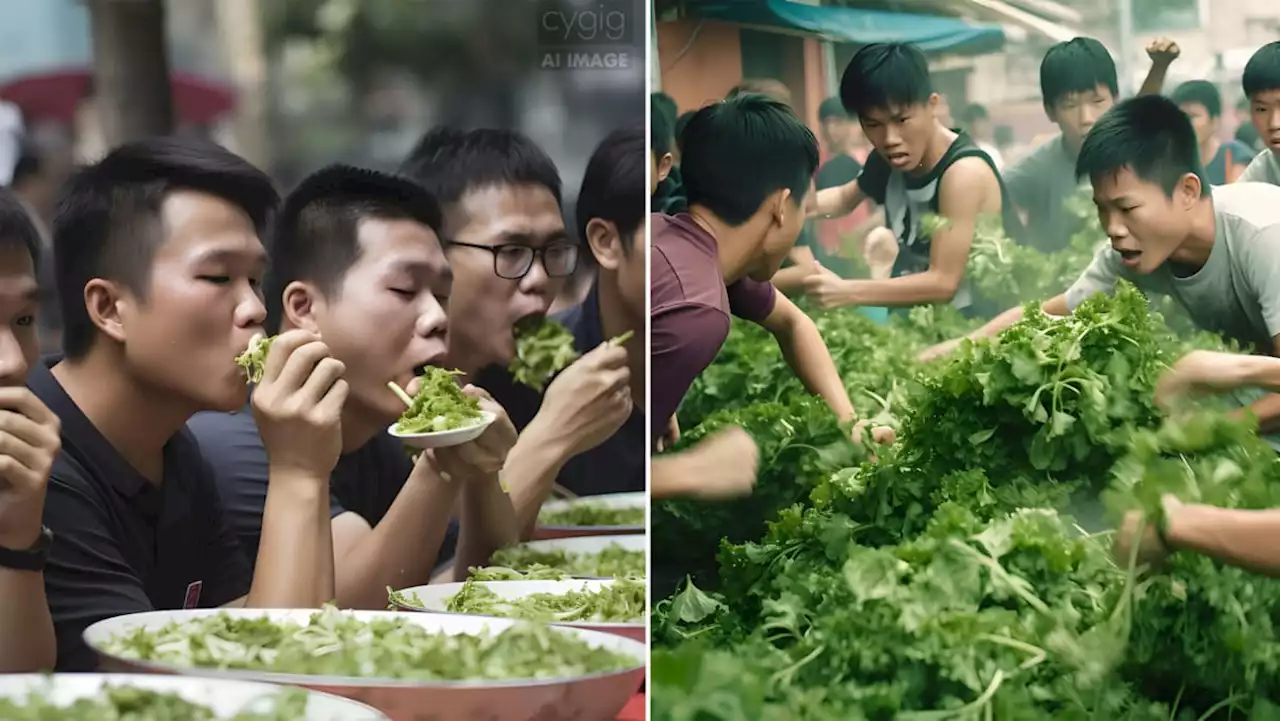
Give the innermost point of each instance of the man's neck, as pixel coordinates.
(733, 244)
(940, 143)
(614, 321)
(136, 418)
(359, 427)
(1195, 249)
(1209, 149)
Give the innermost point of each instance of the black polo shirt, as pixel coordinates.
(615, 466)
(122, 545)
(365, 481)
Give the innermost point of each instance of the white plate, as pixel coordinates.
(444, 439)
(609, 500)
(435, 599)
(224, 698)
(598, 696)
(588, 544)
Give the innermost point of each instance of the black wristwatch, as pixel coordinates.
(30, 559)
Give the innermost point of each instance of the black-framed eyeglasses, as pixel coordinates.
(514, 261)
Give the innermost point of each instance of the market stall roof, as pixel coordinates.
(931, 33)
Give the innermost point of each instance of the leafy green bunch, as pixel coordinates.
(439, 405)
(254, 358)
(544, 347)
(128, 703)
(622, 601)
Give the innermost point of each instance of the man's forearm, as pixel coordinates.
(806, 353)
(27, 643)
(790, 280)
(1267, 411)
(296, 545)
(904, 291)
(488, 523)
(1247, 539)
(531, 470)
(669, 477)
(402, 549)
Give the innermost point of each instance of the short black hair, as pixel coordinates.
(665, 103)
(974, 112)
(1078, 65)
(107, 222)
(1262, 72)
(315, 235)
(28, 164)
(681, 123)
(662, 132)
(1200, 92)
(739, 151)
(769, 87)
(885, 75)
(613, 186)
(1149, 135)
(450, 162)
(832, 109)
(17, 229)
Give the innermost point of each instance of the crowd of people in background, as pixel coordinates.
(139, 471)
(1189, 214)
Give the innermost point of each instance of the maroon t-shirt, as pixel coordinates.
(690, 308)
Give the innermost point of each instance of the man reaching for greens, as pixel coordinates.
(1244, 538)
(747, 164)
(1216, 253)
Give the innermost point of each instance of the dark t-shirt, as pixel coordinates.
(615, 466)
(840, 170)
(689, 310)
(365, 481)
(1216, 171)
(123, 545)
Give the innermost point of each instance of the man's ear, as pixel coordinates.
(1189, 190)
(604, 243)
(301, 303)
(782, 206)
(109, 307)
(664, 166)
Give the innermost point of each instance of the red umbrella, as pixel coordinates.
(54, 95)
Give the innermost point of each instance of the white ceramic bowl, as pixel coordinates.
(587, 544)
(436, 599)
(225, 698)
(444, 439)
(598, 696)
(610, 500)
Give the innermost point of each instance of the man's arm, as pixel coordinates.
(1245, 538)
(804, 350)
(295, 556)
(402, 549)
(834, 202)
(488, 524)
(968, 189)
(803, 265)
(27, 643)
(1162, 52)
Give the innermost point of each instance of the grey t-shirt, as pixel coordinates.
(1265, 168)
(1237, 292)
(1039, 185)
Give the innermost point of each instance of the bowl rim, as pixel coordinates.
(639, 660)
(456, 585)
(486, 419)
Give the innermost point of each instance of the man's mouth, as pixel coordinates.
(1129, 257)
(898, 159)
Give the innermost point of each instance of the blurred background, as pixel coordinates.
(293, 85)
(983, 52)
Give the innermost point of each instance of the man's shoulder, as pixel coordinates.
(683, 266)
(1265, 168)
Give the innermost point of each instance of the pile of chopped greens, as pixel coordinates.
(622, 601)
(587, 513)
(544, 347)
(254, 358)
(966, 572)
(439, 405)
(532, 572)
(126, 703)
(334, 643)
(613, 561)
